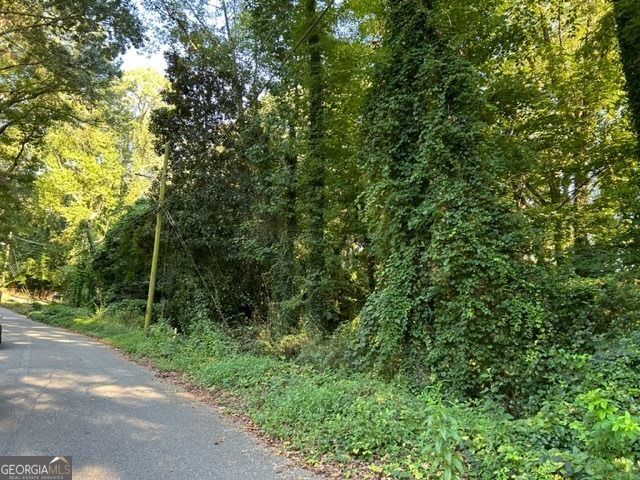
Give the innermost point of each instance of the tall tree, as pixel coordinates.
(53, 55)
(314, 176)
(565, 126)
(309, 125)
(84, 183)
(79, 193)
(290, 150)
(450, 297)
(627, 14)
(138, 93)
(209, 195)
(52, 49)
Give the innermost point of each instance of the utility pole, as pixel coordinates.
(156, 242)
(5, 262)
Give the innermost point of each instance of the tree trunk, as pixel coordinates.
(286, 283)
(316, 303)
(627, 13)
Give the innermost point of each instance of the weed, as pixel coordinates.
(588, 429)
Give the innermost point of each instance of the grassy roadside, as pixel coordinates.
(21, 307)
(375, 429)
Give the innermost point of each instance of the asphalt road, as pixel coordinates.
(65, 394)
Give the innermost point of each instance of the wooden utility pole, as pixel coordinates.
(156, 242)
(5, 263)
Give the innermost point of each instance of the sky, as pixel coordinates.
(136, 59)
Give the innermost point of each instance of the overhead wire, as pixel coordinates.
(226, 133)
(29, 241)
(14, 270)
(225, 136)
(215, 298)
(125, 226)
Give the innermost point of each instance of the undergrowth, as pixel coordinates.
(586, 426)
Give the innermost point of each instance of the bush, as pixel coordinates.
(583, 422)
(128, 312)
(59, 314)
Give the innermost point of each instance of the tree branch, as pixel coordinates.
(577, 190)
(536, 194)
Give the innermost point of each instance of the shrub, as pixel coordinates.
(582, 423)
(127, 312)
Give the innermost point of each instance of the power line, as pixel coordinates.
(30, 241)
(14, 270)
(215, 298)
(130, 223)
(126, 225)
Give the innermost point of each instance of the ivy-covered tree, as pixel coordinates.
(305, 164)
(452, 297)
(122, 261)
(627, 16)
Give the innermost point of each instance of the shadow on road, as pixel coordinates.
(63, 394)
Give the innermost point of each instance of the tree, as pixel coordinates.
(54, 55)
(451, 297)
(138, 94)
(85, 182)
(208, 193)
(80, 192)
(121, 263)
(311, 180)
(301, 245)
(555, 83)
(627, 15)
(317, 309)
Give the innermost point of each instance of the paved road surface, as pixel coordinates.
(65, 394)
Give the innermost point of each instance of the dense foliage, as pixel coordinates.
(627, 15)
(453, 293)
(587, 428)
(53, 55)
(436, 197)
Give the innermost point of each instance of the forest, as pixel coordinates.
(406, 232)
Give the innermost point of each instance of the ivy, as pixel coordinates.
(453, 298)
